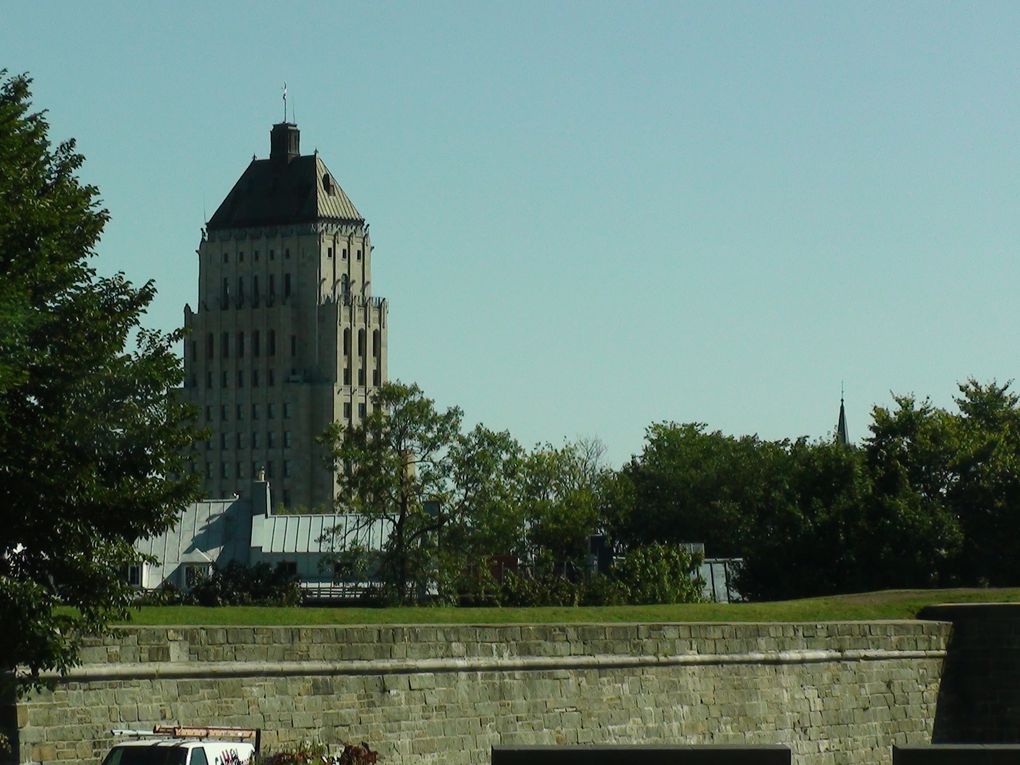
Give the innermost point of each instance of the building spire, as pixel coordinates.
(285, 102)
(842, 438)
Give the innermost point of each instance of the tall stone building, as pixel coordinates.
(287, 337)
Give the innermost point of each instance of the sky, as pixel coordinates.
(589, 217)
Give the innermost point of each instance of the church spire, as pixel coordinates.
(841, 435)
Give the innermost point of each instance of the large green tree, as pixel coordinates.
(90, 435)
(394, 470)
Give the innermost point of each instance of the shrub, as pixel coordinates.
(238, 585)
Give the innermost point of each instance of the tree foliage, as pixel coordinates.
(90, 438)
(390, 465)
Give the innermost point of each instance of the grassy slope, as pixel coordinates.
(890, 604)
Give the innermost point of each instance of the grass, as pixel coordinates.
(872, 606)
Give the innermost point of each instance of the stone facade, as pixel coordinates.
(287, 337)
(835, 693)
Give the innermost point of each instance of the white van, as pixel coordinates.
(177, 745)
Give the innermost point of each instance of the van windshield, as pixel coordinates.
(146, 755)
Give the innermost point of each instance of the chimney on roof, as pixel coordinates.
(284, 142)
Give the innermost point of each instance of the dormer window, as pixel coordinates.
(327, 184)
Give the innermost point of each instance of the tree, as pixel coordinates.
(559, 496)
(389, 466)
(692, 485)
(487, 523)
(90, 435)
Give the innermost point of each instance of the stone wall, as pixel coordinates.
(835, 693)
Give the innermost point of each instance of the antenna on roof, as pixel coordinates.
(285, 102)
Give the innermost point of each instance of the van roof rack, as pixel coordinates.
(196, 731)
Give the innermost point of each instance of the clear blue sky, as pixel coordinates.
(588, 217)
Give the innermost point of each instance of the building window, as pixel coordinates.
(347, 375)
(254, 439)
(362, 411)
(375, 343)
(347, 341)
(208, 379)
(286, 468)
(270, 410)
(254, 469)
(255, 345)
(208, 470)
(224, 470)
(225, 341)
(254, 411)
(223, 412)
(240, 256)
(286, 410)
(287, 567)
(134, 575)
(272, 254)
(361, 342)
(269, 469)
(345, 253)
(286, 439)
(255, 289)
(271, 377)
(329, 253)
(293, 345)
(271, 440)
(223, 379)
(208, 413)
(347, 409)
(240, 440)
(286, 285)
(359, 253)
(240, 472)
(254, 378)
(286, 254)
(240, 413)
(226, 291)
(240, 345)
(240, 291)
(271, 343)
(226, 257)
(272, 285)
(361, 375)
(375, 377)
(223, 441)
(240, 379)
(209, 345)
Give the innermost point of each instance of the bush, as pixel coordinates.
(658, 573)
(238, 585)
(311, 754)
(164, 595)
(654, 573)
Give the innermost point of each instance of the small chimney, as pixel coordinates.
(284, 142)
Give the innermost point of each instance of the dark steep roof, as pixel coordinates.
(284, 190)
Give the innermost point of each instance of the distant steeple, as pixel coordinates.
(841, 435)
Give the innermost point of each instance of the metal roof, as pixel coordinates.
(274, 193)
(209, 531)
(311, 533)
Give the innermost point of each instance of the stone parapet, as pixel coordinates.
(833, 692)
